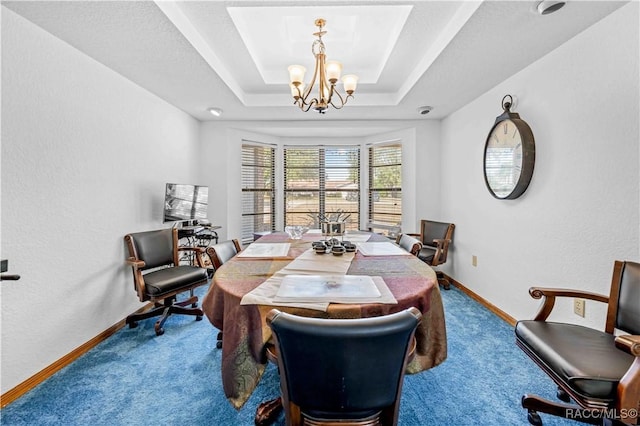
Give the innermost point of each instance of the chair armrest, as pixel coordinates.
(416, 236)
(196, 249)
(138, 279)
(135, 262)
(199, 252)
(442, 247)
(629, 344)
(442, 243)
(550, 295)
(628, 391)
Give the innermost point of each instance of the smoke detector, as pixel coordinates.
(424, 110)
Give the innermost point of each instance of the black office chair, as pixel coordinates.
(158, 276)
(436, 237)
(219, 253)
(599, 371)
(342, 371)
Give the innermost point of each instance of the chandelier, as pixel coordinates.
(326, 74)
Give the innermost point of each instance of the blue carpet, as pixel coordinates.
(480, 383)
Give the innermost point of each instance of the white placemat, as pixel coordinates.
(326, 288)
(357, 237)
(381, 249)
(266, 250)
(266, 292)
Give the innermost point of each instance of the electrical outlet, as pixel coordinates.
(578, 307)
(474, 260)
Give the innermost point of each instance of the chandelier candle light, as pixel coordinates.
(326, 73)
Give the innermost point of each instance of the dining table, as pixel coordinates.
(246, 335)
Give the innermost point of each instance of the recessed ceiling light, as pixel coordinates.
(549, 6)
(216, 112)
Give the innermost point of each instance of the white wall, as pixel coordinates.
(221, 151)
(581, 211)
(85, 156)
(429, 170)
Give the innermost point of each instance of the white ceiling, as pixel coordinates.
(234, 54)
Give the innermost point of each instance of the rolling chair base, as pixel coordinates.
(535, 404)
(169, 307)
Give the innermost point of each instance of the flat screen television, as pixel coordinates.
(184, 202)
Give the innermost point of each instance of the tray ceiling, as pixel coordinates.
(234, 54)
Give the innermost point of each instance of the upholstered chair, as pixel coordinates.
(219, 253)
(342, 371)
(409, 243)
(159, 277)
(598, 370)
(436, 237)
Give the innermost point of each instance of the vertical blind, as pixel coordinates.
(385, 186)
(321, 181)
(258, 190)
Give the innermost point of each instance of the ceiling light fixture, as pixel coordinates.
(216, 112)
(549, 6)
(326, 73)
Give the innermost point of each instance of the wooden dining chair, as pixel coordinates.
(342, 371)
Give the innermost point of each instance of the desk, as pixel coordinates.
(412, 282)
(197, 236)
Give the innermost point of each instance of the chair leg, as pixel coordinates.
(563, 395)
(170, 306)
(268, 411)
(132, 320)
(534, 418)
(176, 309)
(193, 301)
(158, 325)
(535, 404)
(193, 298)
(442, 280)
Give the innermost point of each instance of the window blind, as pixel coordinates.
(385, 186)
(500, 177)
(321, 181)
(258, 190)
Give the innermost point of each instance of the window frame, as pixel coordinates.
(268, 190)
(321, 188)
(387, 222)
